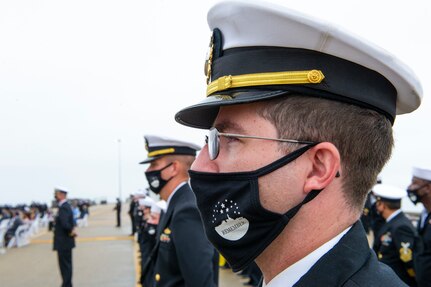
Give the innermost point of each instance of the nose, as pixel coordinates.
(203, 163)
(149, 168)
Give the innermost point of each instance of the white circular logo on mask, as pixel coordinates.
(233, 226)
(155, 183)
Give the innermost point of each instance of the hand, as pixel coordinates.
(73, 233)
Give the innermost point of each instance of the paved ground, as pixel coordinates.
(105, 256)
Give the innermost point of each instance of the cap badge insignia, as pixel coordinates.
(223, 97)
(146, 144)
(208, 60)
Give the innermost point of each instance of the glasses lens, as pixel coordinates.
(213, 143)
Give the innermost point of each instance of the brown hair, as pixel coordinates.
(363, 136)
(185, 160)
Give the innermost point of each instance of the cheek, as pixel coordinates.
(280, 190)
(203, 163)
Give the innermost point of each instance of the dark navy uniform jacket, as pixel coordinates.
(64, 225)
(184, 257)
(395, 246)
(350, 263)
(148, 240)
(423, 260)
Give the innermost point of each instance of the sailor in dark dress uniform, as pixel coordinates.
(419, 191)
(397, 240)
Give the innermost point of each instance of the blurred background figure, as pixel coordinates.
(117, 208)
(397, 240)
(145, 238)
(64, 236)
(76, 212)
(419, 192)
(132, 206)
(370, 219)
(14, 223)
(152, 214)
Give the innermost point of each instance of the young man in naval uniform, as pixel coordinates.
(419, 191)
(300, 121)
(182, 256)
(397, 240)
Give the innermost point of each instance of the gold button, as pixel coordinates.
(157, 277)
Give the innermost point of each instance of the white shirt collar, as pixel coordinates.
(292, 274)
(395, 213)
(173, 192)
(423, 218)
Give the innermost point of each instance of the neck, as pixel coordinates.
(305, 233)
(171, 185)
(387, 213)
(426, 201)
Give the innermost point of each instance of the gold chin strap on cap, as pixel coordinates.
(265, 79)
(161, 151)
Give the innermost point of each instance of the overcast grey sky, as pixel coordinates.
(77, 76)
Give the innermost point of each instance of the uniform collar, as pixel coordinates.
(395, 213)
(62, 202)
(290, 275)
(423, 218)
(173, 192)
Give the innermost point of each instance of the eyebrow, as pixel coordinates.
(229, 126)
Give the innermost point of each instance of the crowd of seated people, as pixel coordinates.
(12, 217)
(33, 216)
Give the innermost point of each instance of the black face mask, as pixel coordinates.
(235, 221)
(413, 194)
(155, 179)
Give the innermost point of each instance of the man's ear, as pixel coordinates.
(176, 167)
(324, 166)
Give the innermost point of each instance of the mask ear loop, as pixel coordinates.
(292, 212)
(282, 161)
(163, 169)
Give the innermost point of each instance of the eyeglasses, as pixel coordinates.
(213, 141)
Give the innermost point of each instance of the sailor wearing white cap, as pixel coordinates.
(397, 240)
(64, 235)
(145, 205)
(182, 256)
(419, 190)
(299, 114)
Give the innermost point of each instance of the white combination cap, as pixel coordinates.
(159, 206)
(422, 173)
(147, 201)
(260, 50)
(388, 192)
(159, 146)
(61, 189)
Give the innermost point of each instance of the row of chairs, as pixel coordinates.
(23, 233)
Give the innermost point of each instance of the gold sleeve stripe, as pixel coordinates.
(265, 79)
(161, 151)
